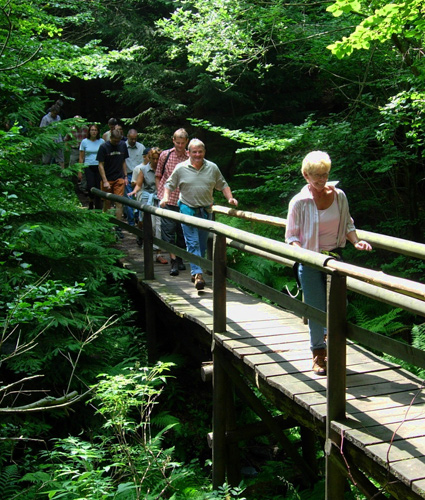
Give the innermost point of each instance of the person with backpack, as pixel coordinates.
(171, 231)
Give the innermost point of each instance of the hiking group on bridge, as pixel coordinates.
(183, 180)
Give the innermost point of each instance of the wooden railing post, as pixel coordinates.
(210, 242)
(148, 246)
(336, 368)
(219, 283)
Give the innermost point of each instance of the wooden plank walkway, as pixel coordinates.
(384, 432)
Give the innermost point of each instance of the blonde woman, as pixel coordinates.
(145, 192)
(319, 219)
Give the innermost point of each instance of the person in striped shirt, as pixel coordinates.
(319, 220)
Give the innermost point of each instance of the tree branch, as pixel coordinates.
(13, 384)
(47, 404)
(9, 31)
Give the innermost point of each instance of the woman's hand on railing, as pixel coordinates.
(357, 243)
(362, 245)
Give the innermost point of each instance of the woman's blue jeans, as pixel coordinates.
(313, 284)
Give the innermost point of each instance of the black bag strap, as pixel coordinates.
(165, 163)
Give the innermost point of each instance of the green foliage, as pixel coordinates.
(268, 138)
(404, 111)
(127, 461)
(8, 479)
(381, 22)
(274, 481)
(226, 492)
(386, 323)
(195, 24)
(64, 314)
(263, 270)
(37, 37)
(418, 335)
(37, 302)
(73, 469)
(418, 341)
(136, 387)
(260, 84)
(188, 411)
(405, 267)
(57, 270)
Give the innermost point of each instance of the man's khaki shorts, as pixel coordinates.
(116, 187)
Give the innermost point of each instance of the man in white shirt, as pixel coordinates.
(135, 157)
(111, 124)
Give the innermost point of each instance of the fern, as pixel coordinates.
(418, 336)
(8, 482)
(164, 419)
(227, 492)
(418, 341)
(385, 323)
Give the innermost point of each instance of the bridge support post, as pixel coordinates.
(222, 405)
(308, 446)
(225, 457)
(149, 275)
(150, 326)
(148, 246)
(222, 387)
(336, 368)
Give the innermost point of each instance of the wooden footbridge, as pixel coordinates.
(370, 413)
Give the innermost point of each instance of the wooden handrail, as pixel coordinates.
(278, 248)
(397, 292)
(382, 241)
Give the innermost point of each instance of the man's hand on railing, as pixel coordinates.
(165, 197)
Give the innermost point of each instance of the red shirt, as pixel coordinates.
(173, 160)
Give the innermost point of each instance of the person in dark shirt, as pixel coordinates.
(113, 169)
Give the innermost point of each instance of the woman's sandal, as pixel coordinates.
(161, 259)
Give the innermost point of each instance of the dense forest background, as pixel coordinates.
(262, 82)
